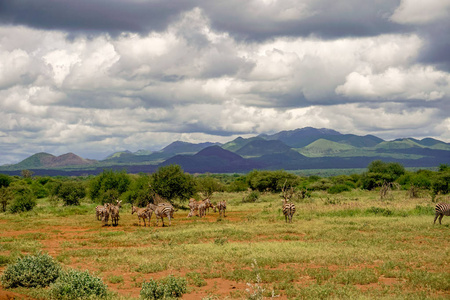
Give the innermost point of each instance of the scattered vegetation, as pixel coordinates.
(166, 288)
(74, 284)
(345, 240)
(38, 270)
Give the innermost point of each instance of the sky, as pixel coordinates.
(94, 77)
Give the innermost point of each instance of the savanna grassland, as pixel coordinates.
(349, 245)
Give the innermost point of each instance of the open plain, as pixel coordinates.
(350, 245)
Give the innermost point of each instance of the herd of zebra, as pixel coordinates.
(199, 208)
(161, 210)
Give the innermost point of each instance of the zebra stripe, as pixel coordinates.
(442, 209)
(221, 206)
(162, 210)
(288, 211)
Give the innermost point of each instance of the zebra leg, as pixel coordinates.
(435, 218)
(440, 218)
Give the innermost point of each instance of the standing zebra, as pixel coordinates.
(114, 212)
(221, 206)
(288, 207)
(161, 211)
(441, 210)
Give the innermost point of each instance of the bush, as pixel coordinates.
(23, 203)
(107, 183)
(38, 270)
(24, 199)
(71, 192)
(251, 198)
(74, 284)
(338, 188)
(166, 288)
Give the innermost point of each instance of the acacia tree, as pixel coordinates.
(170, 182)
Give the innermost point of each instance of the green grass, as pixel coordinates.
(338, 246)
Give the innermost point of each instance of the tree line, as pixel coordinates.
(20, 193)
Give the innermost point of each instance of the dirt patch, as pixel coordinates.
(6, 295)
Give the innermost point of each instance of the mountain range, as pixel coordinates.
(305, 148)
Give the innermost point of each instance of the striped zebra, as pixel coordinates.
(288, 210)
(288, 207)
(222, 207)
(162, 210)
(441, 210)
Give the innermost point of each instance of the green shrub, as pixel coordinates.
(38, 270)
(22, 204)
(379, 211)
(166, 288)
(251, 198)
(338, 188)
(196, 279)
(71, 192)
(74, 284)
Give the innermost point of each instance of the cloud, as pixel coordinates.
(421, 12)
(93, 77)
(417, 83)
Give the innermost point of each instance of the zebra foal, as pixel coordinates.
(442, 209)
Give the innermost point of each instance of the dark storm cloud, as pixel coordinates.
(243, 19)
(437, 49)
(325, 19)
(112, 16)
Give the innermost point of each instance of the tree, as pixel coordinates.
(71, 192)
(379, 173)
(108, 183)
(208, 185)
(5, 180)
(24, 199)
(26, 173)
(170, 182)
(6, 196)
(271, 181)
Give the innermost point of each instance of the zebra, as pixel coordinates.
(161, 211)
(114, 210)
(221, 206)
(142, 213)
(99, 211)
(288, 210)
(442, 209)
(208, 204)
(105, 212)
(202, 209)
(288, 207)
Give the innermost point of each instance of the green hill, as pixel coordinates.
(238, 143)
(35, 161)
(323, 147)
(398, 144)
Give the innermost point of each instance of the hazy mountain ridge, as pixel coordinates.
(322, 149)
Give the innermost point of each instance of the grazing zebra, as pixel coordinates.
(202, 209)
(441, 210)
(288, 207)
(114, 211)
(99, 211)
(208, 204)
(142, 213)
(221, 206)
(105, 213)
(161, 211)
